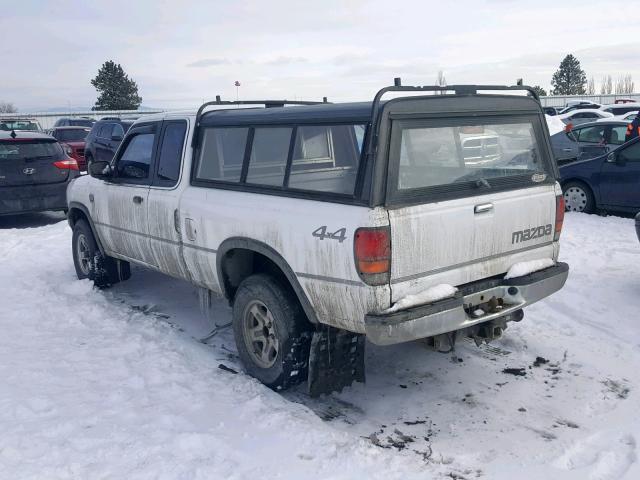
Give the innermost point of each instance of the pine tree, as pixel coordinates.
(569, 79)
(116, 91)
(540, 91)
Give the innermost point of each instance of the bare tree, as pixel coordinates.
(607, 85)
(628, 84)
(441, 81)
(591, 86)
(7, 107)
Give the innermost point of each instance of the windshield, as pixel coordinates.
(72, 135)
(18, 125)
(478, 155)
(20, 150)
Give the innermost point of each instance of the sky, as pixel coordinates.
(181, 53)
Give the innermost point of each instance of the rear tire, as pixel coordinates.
(272, 333)
(91, 263)
(578, 197)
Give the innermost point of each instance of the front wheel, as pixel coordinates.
(578, 198)
(271, 331)
(91, 263)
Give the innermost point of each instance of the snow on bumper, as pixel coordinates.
(449, 314)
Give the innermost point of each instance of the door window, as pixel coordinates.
(170, 154)
(631, 153)
(135, 161)
(105, 131)
(117, 131)
(617, 134)
(593, 134)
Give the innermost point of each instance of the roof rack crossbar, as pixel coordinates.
(458, 89)
(266, 103)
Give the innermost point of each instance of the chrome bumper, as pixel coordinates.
(449, 315)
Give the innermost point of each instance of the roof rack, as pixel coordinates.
(266, 103)
(458, 89)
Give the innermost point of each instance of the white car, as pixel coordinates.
(577, 117)
(629, 117)
(620, 109)
(324, 224)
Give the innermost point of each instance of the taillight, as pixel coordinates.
(560, 207)
(67, 164)
(372, 250)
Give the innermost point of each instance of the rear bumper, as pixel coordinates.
(449, 315)
(638, 225)
(33, 198)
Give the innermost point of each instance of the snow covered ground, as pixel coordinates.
(114, 384)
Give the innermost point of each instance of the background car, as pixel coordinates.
(74, 122)
(629, 117)
(72, 140)
(620, 109)
(610, 181)
(588, 140)
(104, 139)
(550, 110)
(9, 124)
(34, 173)
(578, 105)
(578, 117)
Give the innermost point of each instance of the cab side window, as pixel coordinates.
(136, 159)
(170, 154)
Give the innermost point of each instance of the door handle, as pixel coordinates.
(137, 199)
(483, 207)
(191, 230)
(568, 150)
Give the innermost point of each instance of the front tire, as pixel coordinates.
(578, 197)
(272, 334)
(91, 263)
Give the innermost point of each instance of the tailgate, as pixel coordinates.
(470, 188)
(452, 243)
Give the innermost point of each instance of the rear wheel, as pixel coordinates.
(91, 263)
(578, 197)
(272, 334)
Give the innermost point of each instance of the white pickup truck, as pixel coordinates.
(323, 224)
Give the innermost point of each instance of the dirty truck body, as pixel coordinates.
(346, 215)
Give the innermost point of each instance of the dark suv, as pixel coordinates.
(34, 173)
(104, 139)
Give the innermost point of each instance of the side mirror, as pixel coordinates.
(100, 169)
(116, 138)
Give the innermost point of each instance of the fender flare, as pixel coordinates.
(85, 212)
(275, 257)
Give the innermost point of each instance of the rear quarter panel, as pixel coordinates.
(325, 268)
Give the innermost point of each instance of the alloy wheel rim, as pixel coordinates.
(575, 199)
(82, 252)
(260, 334)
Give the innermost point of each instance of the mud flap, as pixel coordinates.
(336, 360)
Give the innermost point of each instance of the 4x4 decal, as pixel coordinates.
(321, 233)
